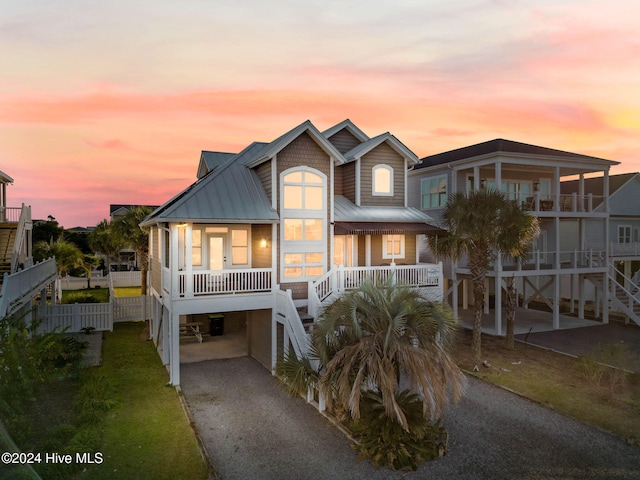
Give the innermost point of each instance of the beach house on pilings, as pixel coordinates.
(268, 235)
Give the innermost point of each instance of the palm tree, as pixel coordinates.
(103, 240)
(128, 229)
(67, 254)
(482, 225)
(379, 338)
(526, 228)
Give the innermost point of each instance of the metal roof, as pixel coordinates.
(498, 146)
(5, 178)
(346, 211)
(211, 160)
(231, 193)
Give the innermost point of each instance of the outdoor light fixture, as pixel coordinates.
(536, 186)
(263, 243)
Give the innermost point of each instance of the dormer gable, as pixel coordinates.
(273, 148)
(211, 160)
(364, 148)
(345, 135)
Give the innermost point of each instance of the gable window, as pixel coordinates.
(382, 180)
(434, 191)
(624, 233)
(393, 246)
(303, 228)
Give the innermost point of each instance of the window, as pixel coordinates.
(624, 233)
(434, 192)
(382, 180)
(167, 251)
(303, 226)
(239, 247)
(393, 246)
(196, 248)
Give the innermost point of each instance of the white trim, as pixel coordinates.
(389, 255)
(358, 182)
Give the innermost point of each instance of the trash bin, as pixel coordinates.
(216, 324)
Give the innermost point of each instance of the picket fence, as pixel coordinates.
(75, 317)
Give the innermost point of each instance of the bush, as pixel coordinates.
(604, 367)
(386, 443)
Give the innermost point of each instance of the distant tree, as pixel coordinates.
(44, 231)
(81, 239)
(67, 254)
(87, 262)
(127, 228)
(103, 239)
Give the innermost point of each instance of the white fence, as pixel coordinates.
(128, 309)
(75, 317)
(126, 279)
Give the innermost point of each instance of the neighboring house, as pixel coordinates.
(266, 236)
(20, 280)
(127, 259)
(624, 235)
(571, 223)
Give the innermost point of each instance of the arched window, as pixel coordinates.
(304, 224)
(382, 180)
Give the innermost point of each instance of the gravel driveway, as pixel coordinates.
(252, 430)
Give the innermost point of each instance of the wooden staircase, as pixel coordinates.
(625, 295)
(7, 239)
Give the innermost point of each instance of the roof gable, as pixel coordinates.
(365, 147)
(211, 160)
(273, 148)
(349, 126)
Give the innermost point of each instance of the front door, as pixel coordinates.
(217, 257)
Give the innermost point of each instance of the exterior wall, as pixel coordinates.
(259, 336)
(156, 274)
(348, 173)
(261, 256)
(264, 173)
(304, 151)
(344, 141)
(383, 154)
(337, 180)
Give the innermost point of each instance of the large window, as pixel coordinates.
(382, 180)
(239, 247)
(304, 224)
(434, 191)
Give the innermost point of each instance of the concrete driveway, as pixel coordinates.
(252, 430)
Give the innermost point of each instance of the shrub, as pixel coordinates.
(386, 443)
(605, 367)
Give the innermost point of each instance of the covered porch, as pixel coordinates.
(527, 321)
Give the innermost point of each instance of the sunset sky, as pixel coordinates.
(112, 102)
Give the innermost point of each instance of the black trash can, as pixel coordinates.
(216, 324)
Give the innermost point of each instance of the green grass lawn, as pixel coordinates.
(147, 435)
(127, 291)
(100, 294)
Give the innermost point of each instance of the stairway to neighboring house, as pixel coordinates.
(7, 239)
(625, 295)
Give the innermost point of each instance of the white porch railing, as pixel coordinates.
(10, 214)
(549, 202)
(546, 260)
(219, 282)
(288, 315)
(427, 277)
(18, 253)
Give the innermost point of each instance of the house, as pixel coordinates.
(127, 259)
(21, 281)
(267, 236)
(624, 236)
(571, 223)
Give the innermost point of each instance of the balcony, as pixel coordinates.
(224, 282)
(573, 203)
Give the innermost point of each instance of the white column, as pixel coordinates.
(498, 307)
(174, 366)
